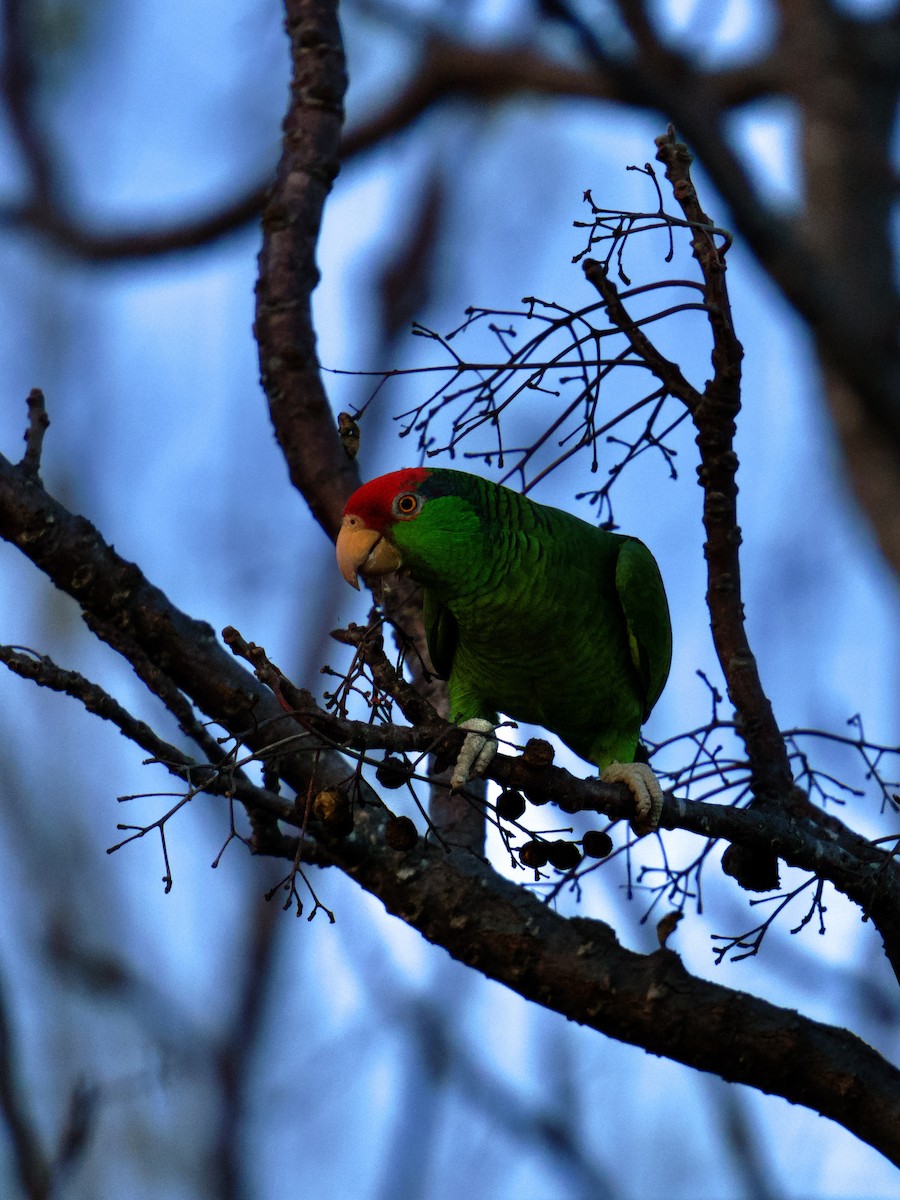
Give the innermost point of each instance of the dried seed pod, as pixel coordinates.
(563, 855)
(538, 753)
(349, 434)
(392, 773)
(510, 805)
(533, 854)
(596, 844)
(332, 808)
(400, 833)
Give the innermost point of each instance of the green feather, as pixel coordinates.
(643, 599)
(441, 633)
(534, 613)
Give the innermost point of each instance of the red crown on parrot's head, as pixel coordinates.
(372, 502)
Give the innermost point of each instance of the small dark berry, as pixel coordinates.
(596, 844)
(400, 833)
(755, 870)
(510, 805)
(533, 854)
(563, 855)
(392, 773)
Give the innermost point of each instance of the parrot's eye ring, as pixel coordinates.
(407, 504)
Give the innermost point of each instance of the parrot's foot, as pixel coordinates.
(477, 751)
(645, 787)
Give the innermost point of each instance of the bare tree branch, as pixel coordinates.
(714, 415)
(218, 776)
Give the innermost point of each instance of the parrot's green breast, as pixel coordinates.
(535, 614)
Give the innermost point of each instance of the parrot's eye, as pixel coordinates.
(407, 504)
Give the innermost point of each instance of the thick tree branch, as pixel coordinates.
(575, 966)
(304, 424)
(452, 70)
(73, 554)
(798, 832)
(714, 418)
(804, 836)
(578, 968)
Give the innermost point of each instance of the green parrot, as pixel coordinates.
(528, 611)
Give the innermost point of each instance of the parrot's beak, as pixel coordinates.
(361, 550)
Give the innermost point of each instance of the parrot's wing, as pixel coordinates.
(441, 633)
(646, 610)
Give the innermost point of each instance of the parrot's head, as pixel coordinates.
(366, 544)
(421, 520)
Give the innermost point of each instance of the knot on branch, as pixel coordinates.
(38, 423)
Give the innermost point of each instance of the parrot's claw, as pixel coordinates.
(645, 787)
(477, 751)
